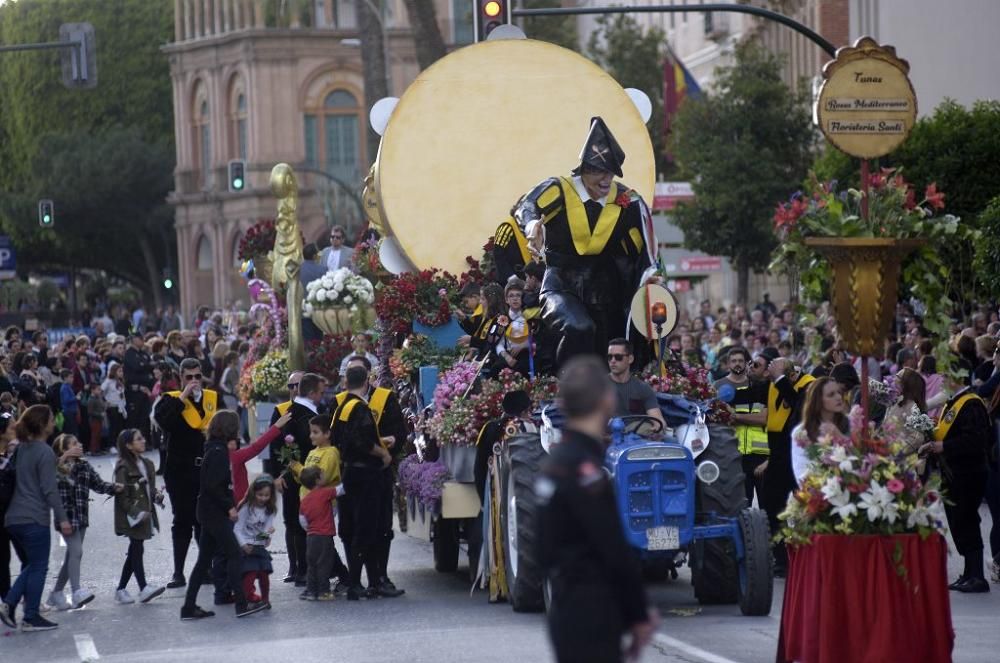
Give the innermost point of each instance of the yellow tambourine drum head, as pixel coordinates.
(481, 127)
(643, 302)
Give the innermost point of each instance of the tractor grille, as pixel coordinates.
(656, 498)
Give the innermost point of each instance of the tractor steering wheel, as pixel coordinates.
(643, 425)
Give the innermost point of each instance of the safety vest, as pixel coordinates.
(752, 439)
(950, 414)
(777, 416)
(209, 402)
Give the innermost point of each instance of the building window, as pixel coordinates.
(344, 16)
(202, 139)
(333, 136)
(462, 22)
(204, 255)
(319, 14)
(237, 120)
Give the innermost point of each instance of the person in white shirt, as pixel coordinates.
(338, 254)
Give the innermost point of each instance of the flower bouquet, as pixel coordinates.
(268, 375)
(423, 482)
(340, 302)
(258, 240)
(428, 297)
(862, 484)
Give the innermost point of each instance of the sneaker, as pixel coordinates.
(82, 597)
(38, 623)
(176, 581)
(289, 578)
(7, 615)
(324, 596)
(249, 609)
(189, 613)
(58, 600)
(387, 589)
(122, 597)
(149, 592)
(307, 596)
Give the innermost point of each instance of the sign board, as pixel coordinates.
(666, 195)
(867, 105)
(699, 264)
(8, 258)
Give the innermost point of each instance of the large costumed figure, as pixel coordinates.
(596, 238)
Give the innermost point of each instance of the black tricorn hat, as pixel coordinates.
(516, 402)
(601, 150)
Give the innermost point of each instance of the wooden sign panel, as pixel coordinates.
(867, 105)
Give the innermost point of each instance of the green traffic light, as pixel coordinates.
(168, 284)
(238, 183)
(47, 219)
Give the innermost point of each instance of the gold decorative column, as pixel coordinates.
(287, 259)
(865, 286)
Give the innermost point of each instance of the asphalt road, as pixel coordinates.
(437, 620)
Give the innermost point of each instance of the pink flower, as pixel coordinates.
(289, 439)
(442, 292)
(895, 486)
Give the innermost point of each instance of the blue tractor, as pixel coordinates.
(680, 496)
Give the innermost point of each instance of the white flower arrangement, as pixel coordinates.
(269, 374)
(919, 421)
(339, 288)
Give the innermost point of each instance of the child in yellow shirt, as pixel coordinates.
(323, 456)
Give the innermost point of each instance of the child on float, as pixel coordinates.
(76, 478)
(254, 527)
(135, 512)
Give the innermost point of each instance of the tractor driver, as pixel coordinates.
(632, 395)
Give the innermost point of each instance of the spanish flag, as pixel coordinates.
(678, 85)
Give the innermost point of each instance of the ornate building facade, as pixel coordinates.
(269, 82)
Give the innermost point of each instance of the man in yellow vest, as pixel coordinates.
(597, 240)
(962, 442)
(749, 417)
(184, 417)
(785, 396)
(391, 427)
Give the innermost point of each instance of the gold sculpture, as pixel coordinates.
(287, 259)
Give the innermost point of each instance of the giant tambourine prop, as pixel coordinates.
(654, 311)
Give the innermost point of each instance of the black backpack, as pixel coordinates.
(8, 482)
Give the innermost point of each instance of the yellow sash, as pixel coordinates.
(949, 415)
(777, 417)
(209, 401)
(585, 242)
(345, 409)
(510, 230)
(377, 403)
(282, 408)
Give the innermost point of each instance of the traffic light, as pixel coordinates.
(46, 213)
(168, 280)
(237, 175)
(488, 15)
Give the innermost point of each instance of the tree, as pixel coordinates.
(426, 33)
(745, 145)
(110, 198)
(111, 210)
(374, 66)
(957, 148)
(560, 30)
(635, 59)
(988, 249)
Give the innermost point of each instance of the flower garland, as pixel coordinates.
(862, 484)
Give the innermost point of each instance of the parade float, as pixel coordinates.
(867, 575)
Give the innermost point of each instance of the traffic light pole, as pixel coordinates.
(80, 71)
(804, 30)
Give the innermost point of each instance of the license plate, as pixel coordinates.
(663, 538)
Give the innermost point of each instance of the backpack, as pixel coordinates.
(8, 482)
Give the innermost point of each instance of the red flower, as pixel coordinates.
(623, 199)
(911, 199)
(934, 197)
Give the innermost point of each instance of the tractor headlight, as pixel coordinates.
(656, 453)
(708, 472)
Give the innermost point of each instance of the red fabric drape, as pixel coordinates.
(845, 601)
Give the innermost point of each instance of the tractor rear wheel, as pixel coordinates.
(714, 570)
(520, 465)
(757, 579)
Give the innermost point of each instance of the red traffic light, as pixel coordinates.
(492, 8)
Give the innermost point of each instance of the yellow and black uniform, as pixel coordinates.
(184, 422)
(595, 254)
(295, 535)
(510, 250)
(784, 410)
(356, 434)
(966, 433)
(271, 464)
(471, 323)
(749, 398)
